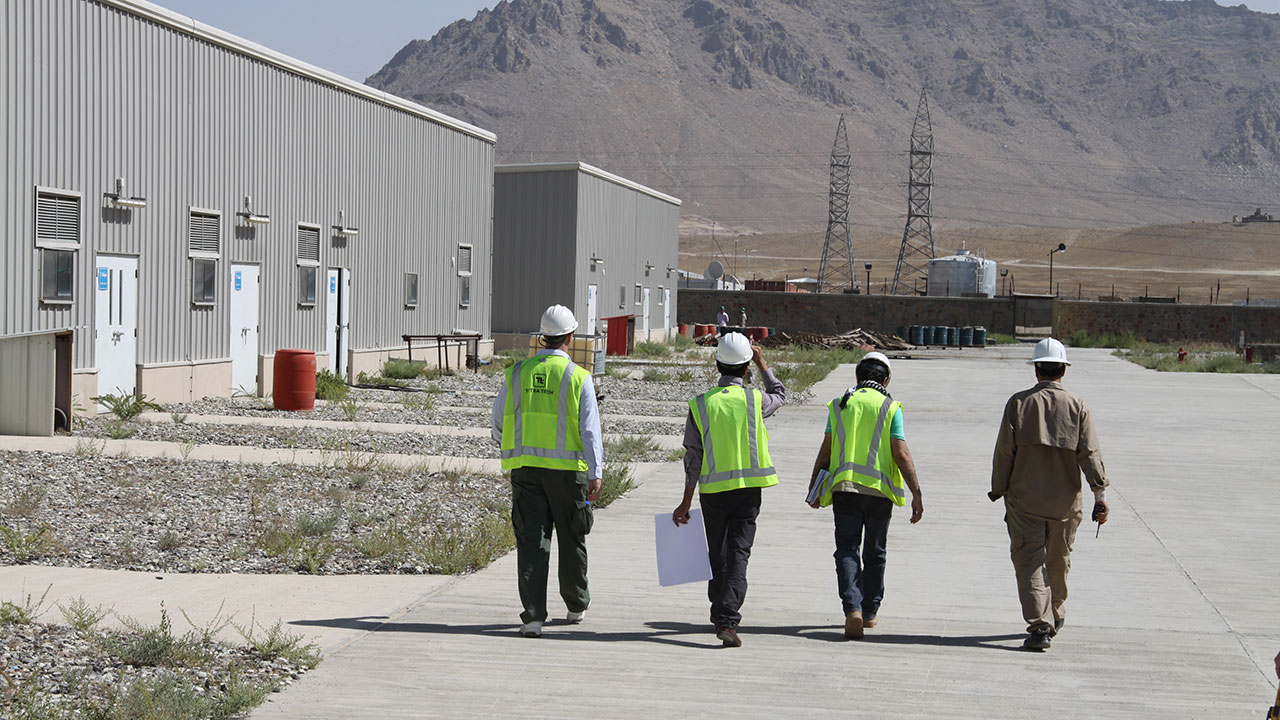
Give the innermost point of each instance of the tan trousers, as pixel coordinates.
(1041, 553)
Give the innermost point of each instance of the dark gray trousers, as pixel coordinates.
(730, 521)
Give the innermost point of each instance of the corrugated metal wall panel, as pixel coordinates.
(96, 93)
(535, 258)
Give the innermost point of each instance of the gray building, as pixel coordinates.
(188, 202)
(573, 234)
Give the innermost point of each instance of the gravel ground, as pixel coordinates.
(51, 671)
(157, 514)
(327, 438)
(415, 409)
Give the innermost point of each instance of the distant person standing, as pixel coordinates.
(864, 452)
(742, 317)
(726, 460)
(546, 420)
(722, 320)
(1046, 439)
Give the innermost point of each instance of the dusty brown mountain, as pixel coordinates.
(1047, 113)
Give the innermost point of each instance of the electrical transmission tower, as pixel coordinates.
(836, 272)
(917, 239)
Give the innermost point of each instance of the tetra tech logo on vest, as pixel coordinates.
(540, 382)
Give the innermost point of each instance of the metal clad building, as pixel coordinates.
(219, 201)
(573, 234)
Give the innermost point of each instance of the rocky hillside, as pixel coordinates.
(1046, 112)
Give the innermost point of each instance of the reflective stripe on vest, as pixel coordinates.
(713, 478)
(871, 469)
(518, 454)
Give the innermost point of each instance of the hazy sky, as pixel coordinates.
(355, 38)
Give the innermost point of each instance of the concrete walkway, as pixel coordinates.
(1173, 610)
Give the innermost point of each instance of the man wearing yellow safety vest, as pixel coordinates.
(865, 456)
(1046, 439)
(546, 420)
(726, 459)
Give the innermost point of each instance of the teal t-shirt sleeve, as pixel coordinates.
(895, 427)
(828, 423)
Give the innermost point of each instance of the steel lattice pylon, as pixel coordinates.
(917, 239)
(836, 271)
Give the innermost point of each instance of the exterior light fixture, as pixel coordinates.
(649, 266)
(250, 217)
(1062, 247)
(670, 270)
(597, 260)
(342, 230)
(120, 200)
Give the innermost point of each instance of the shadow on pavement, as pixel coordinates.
(670, 633)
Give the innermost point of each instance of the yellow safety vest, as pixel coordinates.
(540, 419)
(735, 443)
(860, 445)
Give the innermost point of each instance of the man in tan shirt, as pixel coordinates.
(1046, 439)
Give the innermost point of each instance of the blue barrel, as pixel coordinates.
(917, 335)
(951, 336)
(902, 332)
(966, 337)
(980, 336)
(939, 335)
(930, 334)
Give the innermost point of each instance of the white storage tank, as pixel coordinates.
(962, 275)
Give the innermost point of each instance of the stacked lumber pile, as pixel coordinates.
(856, 338)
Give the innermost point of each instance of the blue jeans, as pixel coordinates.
(861, 584)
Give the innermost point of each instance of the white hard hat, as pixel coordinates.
(878, 356)
(734, 349)
(558, 320)
(1049, 351)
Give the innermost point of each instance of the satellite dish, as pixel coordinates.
(715, 270)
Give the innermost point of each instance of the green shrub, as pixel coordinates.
(451, 552)
(681, 343)
(330, 387)
(649, 349)
(655, 375)
(127, 406)
(629, 448)
(27, 544)
(81, 616)
(401, 369)
(615, 481)
(1084, 339)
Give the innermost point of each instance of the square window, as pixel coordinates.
(464, 292)
(204, 281)
(411, 290)
(306, 285)
(57, 275)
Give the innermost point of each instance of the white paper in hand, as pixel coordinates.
(682, 550)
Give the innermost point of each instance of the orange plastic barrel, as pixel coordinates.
(294, 380)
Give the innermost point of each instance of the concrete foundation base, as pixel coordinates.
(370, 361)
(184, 382)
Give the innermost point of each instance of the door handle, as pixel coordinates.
(117, 335)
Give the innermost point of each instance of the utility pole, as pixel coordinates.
(836, 271)
(917, 238)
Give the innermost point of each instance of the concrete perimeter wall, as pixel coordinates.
(806, 312)
(1169, 323)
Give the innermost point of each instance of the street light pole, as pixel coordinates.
(1062, 247)
(868, 267)
(1004, 274)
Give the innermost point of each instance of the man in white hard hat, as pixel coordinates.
(546, 420)
(726, 459)
(864, 453)
(1046, 440)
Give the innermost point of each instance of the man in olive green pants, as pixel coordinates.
(542, 498)
(547, 425)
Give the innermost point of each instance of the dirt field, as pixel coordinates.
(1167, 260)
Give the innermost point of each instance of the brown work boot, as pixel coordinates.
(869, 623)
(853, 625)
(728, 636)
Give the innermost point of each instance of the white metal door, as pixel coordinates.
(591, 309)
(666, 312)
(116, 325)
(244, 328)
(337, 313)
(644, 325)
